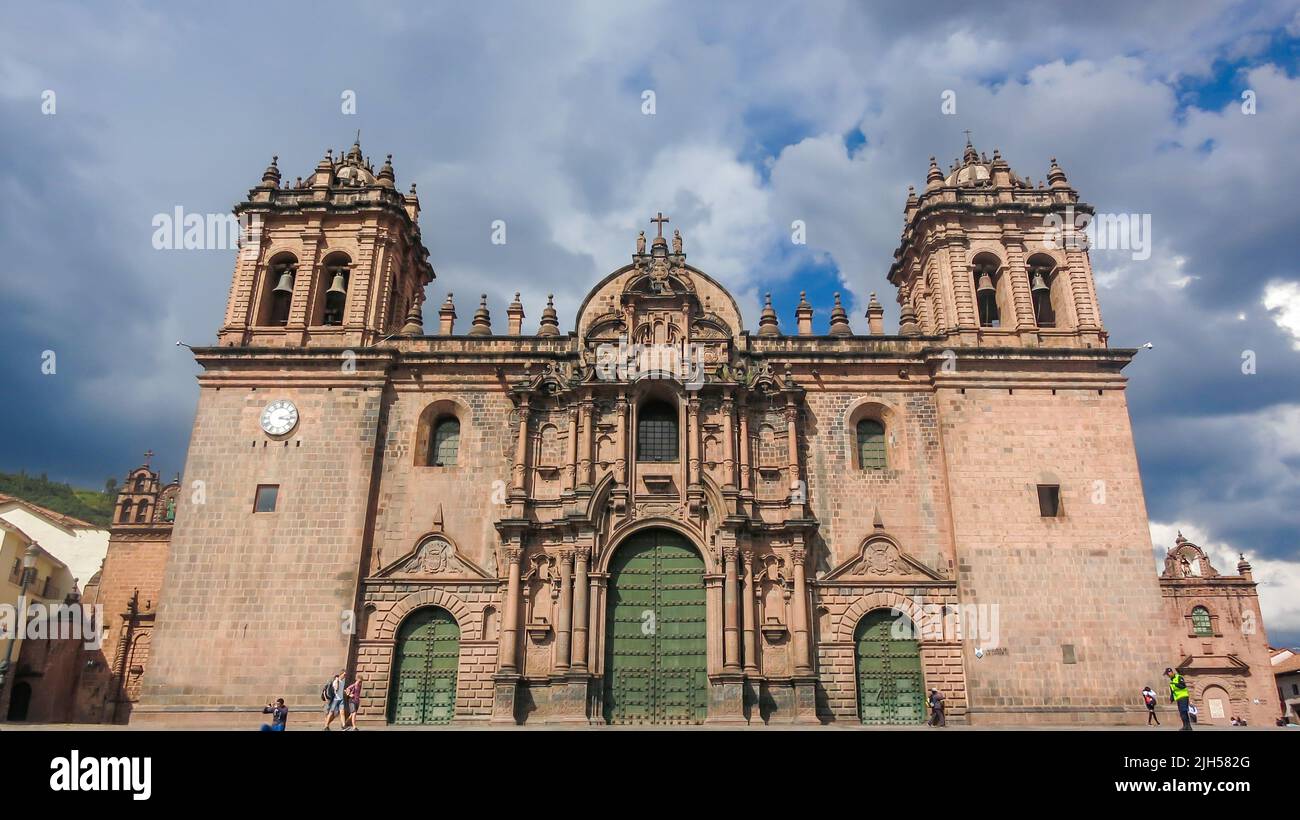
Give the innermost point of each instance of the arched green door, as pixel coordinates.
(655, 649)
(424, 668)
(891, 686)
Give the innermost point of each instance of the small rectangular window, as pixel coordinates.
(1049, 500)
(266, 497)
(1067, 653)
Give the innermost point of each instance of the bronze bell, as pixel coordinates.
(985, 283)
(286, 282)
(1039, 284)
(336, 287)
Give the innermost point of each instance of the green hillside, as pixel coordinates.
(93, 506)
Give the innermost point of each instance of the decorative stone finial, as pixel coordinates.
(767, 321)
(271, 176)
(386, 176)
(550, 324)
(934, 177)
(875, 316)
(515, 316)
(1056, 177)
(414, 321)
(803, 314)
(482, 319)
(840, 319)
(447, 317)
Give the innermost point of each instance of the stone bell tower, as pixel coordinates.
(333, 260)
(988, 258)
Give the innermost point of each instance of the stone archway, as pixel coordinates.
(426, 658)
(656, 631)
(887, 660)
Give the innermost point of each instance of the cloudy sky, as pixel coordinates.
(534, 113)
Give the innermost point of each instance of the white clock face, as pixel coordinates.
(279, 417)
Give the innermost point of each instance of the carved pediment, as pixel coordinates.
(880, 558)
(434, 557)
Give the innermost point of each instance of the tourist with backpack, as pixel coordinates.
(333, 694)
(1149, 698)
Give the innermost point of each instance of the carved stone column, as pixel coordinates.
(693, 440)
(744, 447)
(792, 445)
(585, 442)
(571, 463)
(620, 444)
(505, 681)
(521, 446)
(580, 625)
(747, 610)
(1021, 299)
(802, 659)
(506, 660)
(728, 440)
(730, 594)
(564, 629)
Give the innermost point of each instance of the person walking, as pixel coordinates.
(1149, 698)
(936, 709)
(334, 706)
(352, 703)
(1178, 696)
(279, 716)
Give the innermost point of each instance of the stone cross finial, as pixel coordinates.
(148, 454)
(660, 220)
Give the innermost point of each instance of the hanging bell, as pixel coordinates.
(1039, 284)
(985, 283)
(286, 282)
(336, 287)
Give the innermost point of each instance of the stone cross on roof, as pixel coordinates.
(660, 220)
(148, 454)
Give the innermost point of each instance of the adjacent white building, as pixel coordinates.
(78, 544)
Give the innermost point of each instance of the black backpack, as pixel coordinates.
(327, 691)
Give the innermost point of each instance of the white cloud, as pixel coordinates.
(1282, 300)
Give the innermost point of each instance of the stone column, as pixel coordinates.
(596, 623)
(571, 463)
(564, 629)
(713, 602)
(747, 608)
(506, 660)
(730, 592)
(693, 440)
(1021, 299)
(744, 447)
(580, 625)
(584, 443)
(792, 444)
(728, 439)
(521, 445)
(802, 659)
(620, 444)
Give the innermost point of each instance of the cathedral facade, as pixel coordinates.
(654, 512)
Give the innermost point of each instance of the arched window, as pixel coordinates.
(139, 484)
(1201, 623)
(278, 292)
(125, 515)
(142, 511)
(986, 295)
(334, 288)
(656, 432)
(1042, 282)
(444, 445)
(871, 445)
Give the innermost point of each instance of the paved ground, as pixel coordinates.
(311, 725)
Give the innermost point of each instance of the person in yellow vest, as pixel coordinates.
(1178, 696)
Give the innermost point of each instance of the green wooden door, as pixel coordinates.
(891, 687)
(424, 668)
(655, 642)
